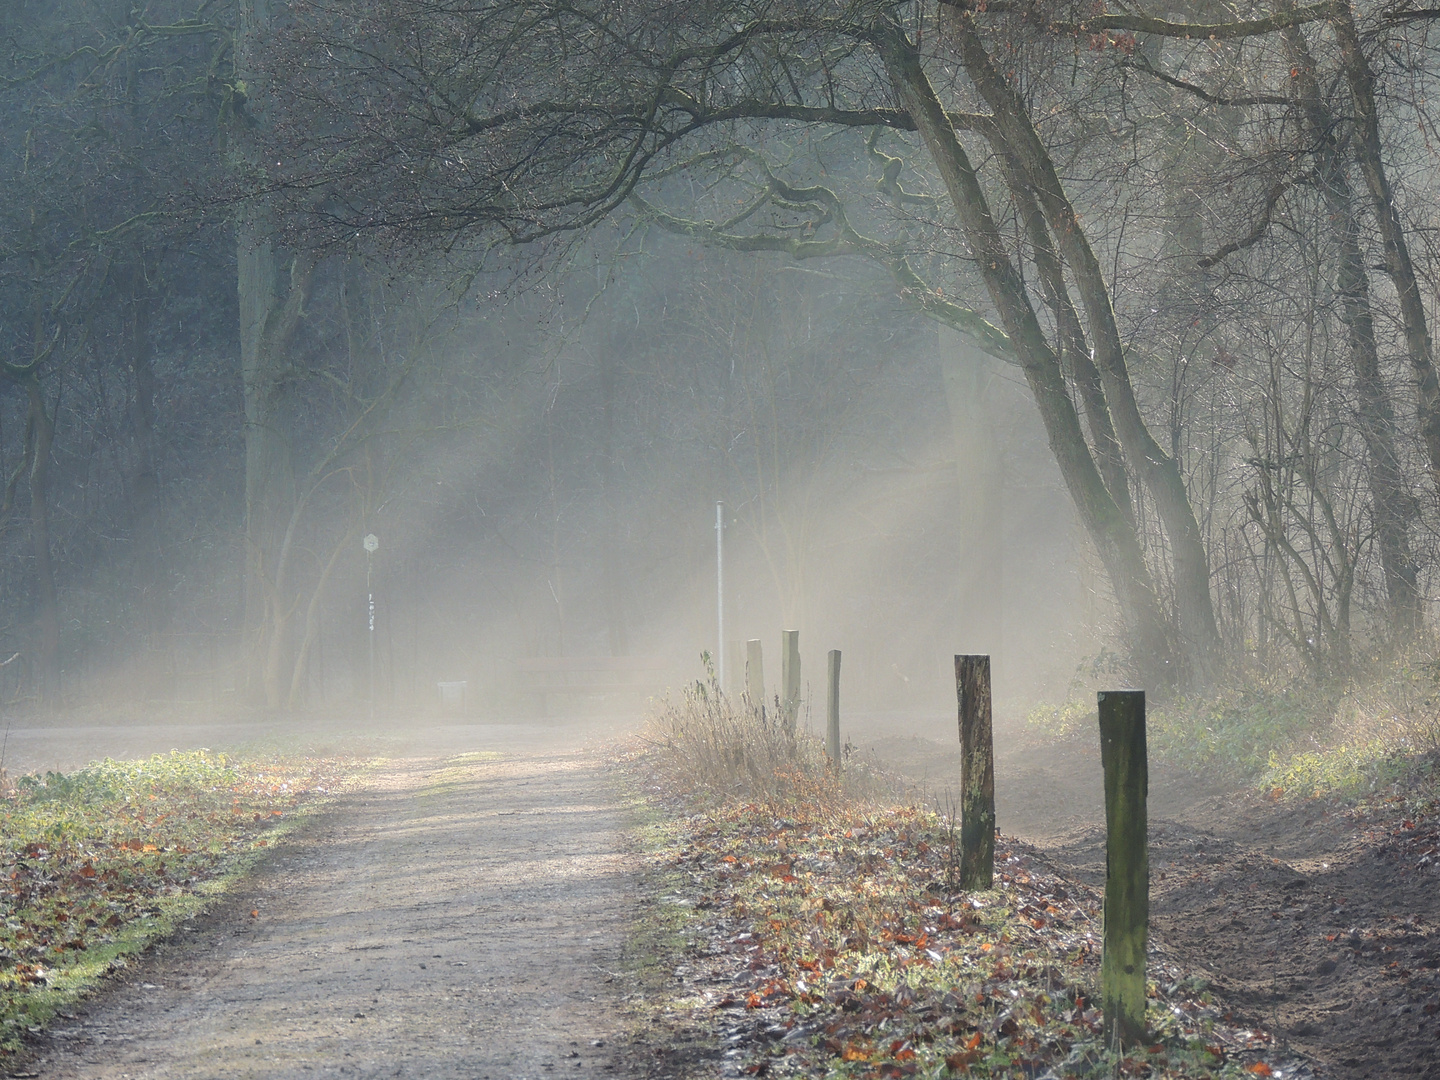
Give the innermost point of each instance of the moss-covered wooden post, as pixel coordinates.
(832, 708)
(755, 677)
(1127, 866)
(977, 773)
(789, 678)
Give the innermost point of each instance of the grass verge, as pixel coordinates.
(1287, 733)
(98, 864)
(824, 934)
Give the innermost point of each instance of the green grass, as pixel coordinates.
(1298, 739)
(98, 864)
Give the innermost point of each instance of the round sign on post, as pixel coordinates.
(371, 544)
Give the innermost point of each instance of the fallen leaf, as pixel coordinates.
(961, 1062)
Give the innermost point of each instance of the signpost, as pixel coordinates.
(371, 543)
(720, 592)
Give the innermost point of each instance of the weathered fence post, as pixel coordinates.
(1127, 865)
(977, 773)
(832, 708)
(790, 678)
(755, 677)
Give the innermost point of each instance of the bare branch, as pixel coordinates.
(1226, 31)
(1256, 233)
(1142, 64)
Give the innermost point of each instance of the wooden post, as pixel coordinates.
(755, 677)
(1127, 866)
(977, 773)
(832, 708)
(790, 678)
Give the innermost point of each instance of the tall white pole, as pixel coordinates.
(720, 590)
(370, 599)
(371, 544)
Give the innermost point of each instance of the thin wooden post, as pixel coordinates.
(755, 677)
(1127, 866)
(977, 773)
(832, 708)
(790, 678)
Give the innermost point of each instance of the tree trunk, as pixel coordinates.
(1199, 634)
(980, 551)
(1395, 508)
(1398, 264)
(144, 481)
(1075, 353)
(1114, 537)
(270, 313)
(268, 322)
(47, 600)
(312, 619)
(609, 548)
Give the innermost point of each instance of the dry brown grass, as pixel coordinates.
(719, 750)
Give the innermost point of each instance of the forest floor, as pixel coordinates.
(1313, 919)
(472, 911)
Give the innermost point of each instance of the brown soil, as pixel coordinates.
(1313, 922)
(455, 918)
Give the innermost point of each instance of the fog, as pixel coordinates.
(331, 386)
(543, 484)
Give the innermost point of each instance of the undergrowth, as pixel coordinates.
(825, 934)
(1284, 732)
(722, 749)
(99, 863)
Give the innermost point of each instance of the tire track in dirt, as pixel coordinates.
(458, 918)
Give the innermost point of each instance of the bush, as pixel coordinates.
(1286, 731)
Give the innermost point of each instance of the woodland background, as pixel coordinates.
(1081, 338)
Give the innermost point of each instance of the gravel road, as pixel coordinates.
(461, 915)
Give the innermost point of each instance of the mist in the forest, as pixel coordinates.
(540, 469)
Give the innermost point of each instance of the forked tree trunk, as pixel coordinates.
(267, 327)
(1398, 264)
(1114, 538)
(272, 303)
(1195, 611)
(1075, 353)
(311, 632)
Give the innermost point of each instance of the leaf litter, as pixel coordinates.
(96, 864)
(829, 938)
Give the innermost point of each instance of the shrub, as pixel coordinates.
(722, 750)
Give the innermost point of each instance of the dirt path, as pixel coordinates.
(1308, 924)
(463, 917)
(459, 917)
